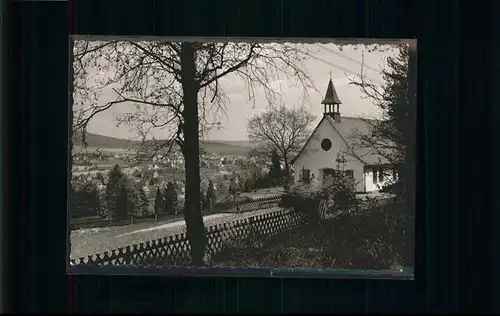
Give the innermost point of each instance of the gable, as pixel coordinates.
(313, 145)
(343, 134)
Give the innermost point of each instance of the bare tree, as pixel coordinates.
(284, 129)
(174, 86)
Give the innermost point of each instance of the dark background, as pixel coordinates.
(455, 224)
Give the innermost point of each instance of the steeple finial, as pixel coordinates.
(331, 95)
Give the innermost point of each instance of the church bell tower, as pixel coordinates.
(330, 101)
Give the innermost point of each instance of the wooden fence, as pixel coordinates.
(226, 207)
(175, 250)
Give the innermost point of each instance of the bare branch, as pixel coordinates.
(283, 129)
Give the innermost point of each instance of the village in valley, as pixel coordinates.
(301, 174)
(92, 168)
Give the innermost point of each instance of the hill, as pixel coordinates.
(239, 148)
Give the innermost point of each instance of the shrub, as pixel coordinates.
(122, 203)
(374, 239)
(234, 189)
(338, 189)
(210, 198)
(171, 199)
(249, 184)
(113, 189)
(85, 200)
(159, 202)
(143, 209)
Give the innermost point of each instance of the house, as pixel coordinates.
(334, 147)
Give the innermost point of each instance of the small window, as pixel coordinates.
(328, 172)
(349, 174)
(306, 175)
(380, 175)
(326, 144)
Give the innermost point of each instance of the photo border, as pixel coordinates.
(456, 273)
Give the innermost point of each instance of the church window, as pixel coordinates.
(326, 144)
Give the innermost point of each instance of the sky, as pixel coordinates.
(326, 61)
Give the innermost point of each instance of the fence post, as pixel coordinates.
(131, 219)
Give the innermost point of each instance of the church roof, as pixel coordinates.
(331, 96)
(348, 129)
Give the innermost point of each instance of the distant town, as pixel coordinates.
(230, 163)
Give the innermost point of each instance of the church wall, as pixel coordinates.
(371, 184)
(314, 158)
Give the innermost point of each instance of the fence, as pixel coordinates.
(226, 207)
(175, 250)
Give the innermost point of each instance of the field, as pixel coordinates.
(97, 240)
(117, 145)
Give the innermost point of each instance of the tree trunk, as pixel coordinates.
(191, 150)
(287, 169)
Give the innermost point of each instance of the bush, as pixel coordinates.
(339, 190)
(211, 192)
(141, 202)
(371, 240)
(249, 184)
(113, 190)
(85, 200)
(159, 202)
(122, 203)
(171, 199)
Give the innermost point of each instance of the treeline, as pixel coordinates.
(121, 197)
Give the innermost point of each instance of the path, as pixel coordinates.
(84, 245)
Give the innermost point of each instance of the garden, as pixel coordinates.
(351, 234)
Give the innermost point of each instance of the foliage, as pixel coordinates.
(159, 202)
(211, 195)
(249, 184)
(234, 189)
(100, 178)
(154, 181)
(122, 204)
(171, 199)
(113, 190)
(85, 200)
(338, 189)
(393, 137)
(275, 171)
(142, 209)
(373, 239)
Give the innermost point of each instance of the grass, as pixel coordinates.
(96, 240)
(91, 241)
(366, 240)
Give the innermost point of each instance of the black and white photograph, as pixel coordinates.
(241, 153)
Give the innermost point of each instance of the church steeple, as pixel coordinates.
(330, 101)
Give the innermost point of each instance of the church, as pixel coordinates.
(334, 146)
